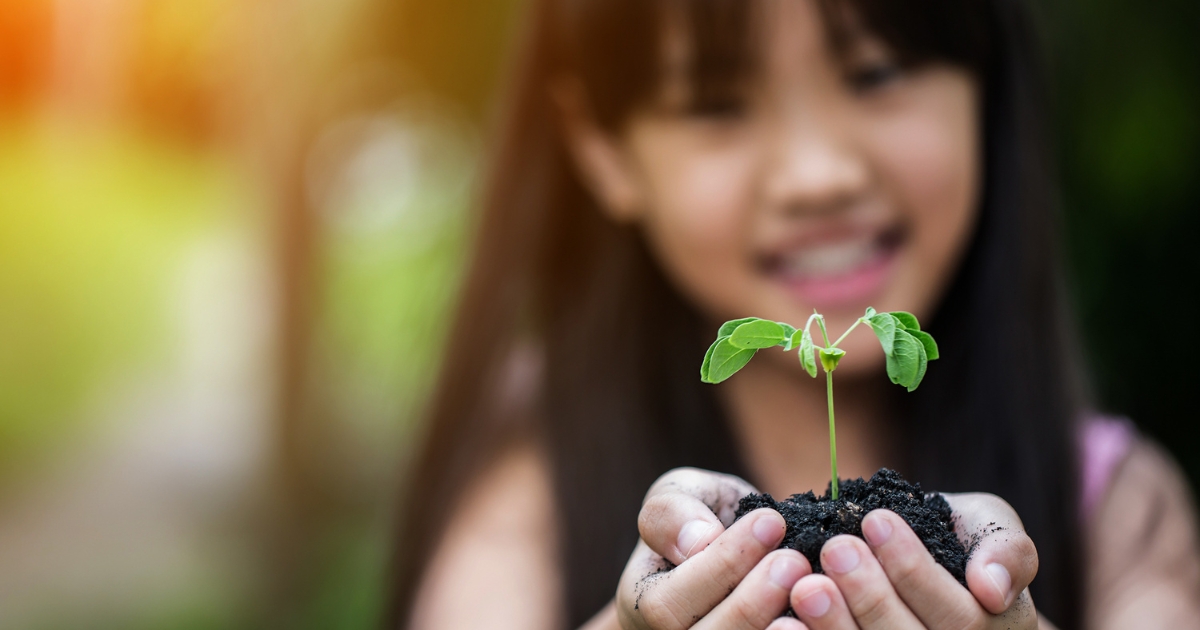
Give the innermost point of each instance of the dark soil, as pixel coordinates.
(811, 520)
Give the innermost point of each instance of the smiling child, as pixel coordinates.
(663, 166)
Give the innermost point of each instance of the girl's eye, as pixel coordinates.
(873, 76)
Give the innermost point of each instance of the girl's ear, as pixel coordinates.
(603, 163)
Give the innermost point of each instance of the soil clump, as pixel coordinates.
(812, 520)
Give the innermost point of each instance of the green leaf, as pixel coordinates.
(931, 349)
(904, 361)
(758, 334)
(728, 327)
(830, 357)
(922, 363)
(797, 337)
(870, 312)
(885, 327)
(726, 360)
(788, 332)
(907, 321)
(704, 367)
(806, 354)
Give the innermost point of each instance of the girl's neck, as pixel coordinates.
(781, 421)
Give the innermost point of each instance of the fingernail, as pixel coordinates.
(690, 535)
(877, 529)
(785, 572)
(840, 557)
(766, 530)
(1000, 578)
(815, 604)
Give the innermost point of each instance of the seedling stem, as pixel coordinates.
(832, 434)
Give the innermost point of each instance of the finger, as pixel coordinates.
(719, 491)
(787, 623)
(677, 525)
(864, 586)
(1003, 558)
(819, 604)
(686, 509)
(762, 596)
(1022, 615)
(695, 587)
(927, 588)
(642, 573)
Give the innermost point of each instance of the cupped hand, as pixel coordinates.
(695, 568)
(891, 580)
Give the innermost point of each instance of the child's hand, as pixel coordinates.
(728, 575)
(891, 581)
(726, 578)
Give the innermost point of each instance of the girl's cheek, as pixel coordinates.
(928, 156)
(698, 216)
(707, 201)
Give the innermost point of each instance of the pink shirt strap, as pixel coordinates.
(1104, 442)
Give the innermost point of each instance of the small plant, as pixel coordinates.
(907, 347)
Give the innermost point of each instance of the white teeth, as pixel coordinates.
(829, 260)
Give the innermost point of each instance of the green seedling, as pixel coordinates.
(908, 350)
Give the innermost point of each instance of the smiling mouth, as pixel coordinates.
(840, 272)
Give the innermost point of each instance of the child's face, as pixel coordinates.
(834, 186)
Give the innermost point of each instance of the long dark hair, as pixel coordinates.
(614, 409)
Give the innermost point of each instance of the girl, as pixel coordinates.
(667, 165)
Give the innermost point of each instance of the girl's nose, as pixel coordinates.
(817, 168)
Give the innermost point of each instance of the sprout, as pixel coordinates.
(908, 350)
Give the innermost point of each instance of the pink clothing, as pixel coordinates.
(1103, 443)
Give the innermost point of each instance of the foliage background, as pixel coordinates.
(229, 231)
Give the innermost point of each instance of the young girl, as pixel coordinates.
(666, 165)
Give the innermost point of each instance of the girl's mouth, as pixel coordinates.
(832, 274)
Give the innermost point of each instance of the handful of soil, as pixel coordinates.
(811, 520)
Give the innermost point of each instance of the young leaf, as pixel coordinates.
(728, 327)
(757, 334)
(922, 363)
(788, 332)
(903, 362)
(931, 349)
(884, 326)
(907, 321)
(704, 367)
(830, 358)
(726, 360)
(797, 337)
(870, 312)
(806, 354)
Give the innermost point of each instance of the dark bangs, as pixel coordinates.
(607, 43)
(918, 31)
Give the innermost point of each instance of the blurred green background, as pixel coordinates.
(229, 232)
